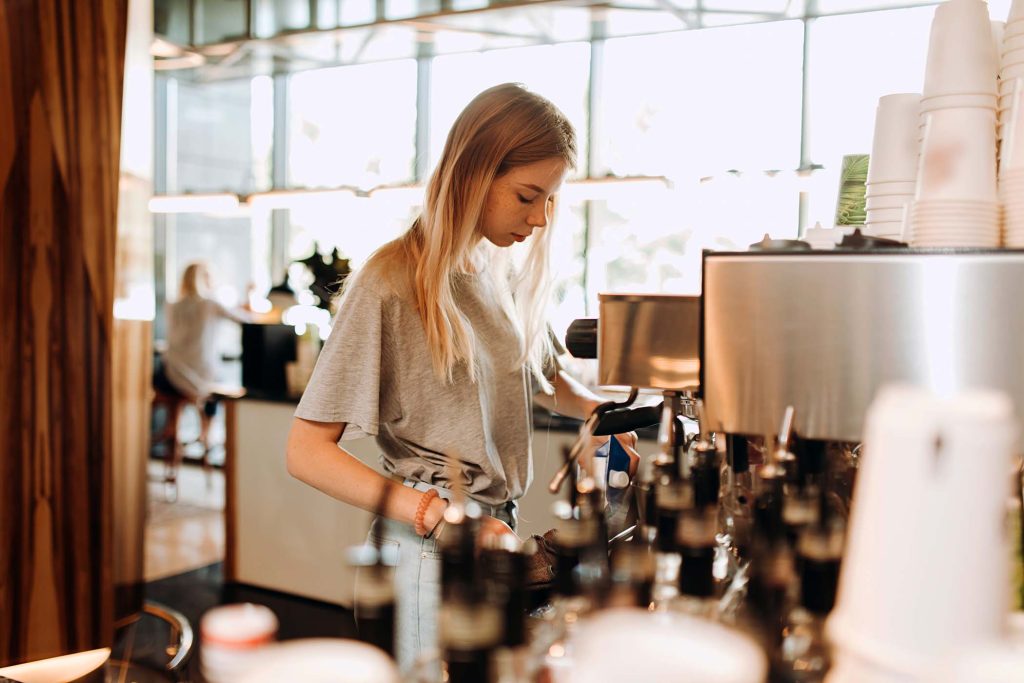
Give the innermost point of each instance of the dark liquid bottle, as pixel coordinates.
(374, 601)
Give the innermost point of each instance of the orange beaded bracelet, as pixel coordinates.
(421, 511)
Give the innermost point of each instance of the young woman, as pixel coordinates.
(439, 346)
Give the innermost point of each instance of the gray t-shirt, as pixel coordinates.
(375, 374)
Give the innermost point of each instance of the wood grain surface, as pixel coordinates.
(61, 79)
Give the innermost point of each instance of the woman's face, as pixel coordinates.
(520, 201)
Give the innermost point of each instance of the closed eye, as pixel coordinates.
(524, 200)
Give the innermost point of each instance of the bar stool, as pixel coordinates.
(173, 449)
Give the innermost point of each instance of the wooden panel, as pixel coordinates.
(132, 399)
(61, 74)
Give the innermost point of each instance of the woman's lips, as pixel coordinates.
(518, 238)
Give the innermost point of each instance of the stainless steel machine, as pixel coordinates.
(823, 331)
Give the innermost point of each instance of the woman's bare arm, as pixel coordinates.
(571, 397)
(315, 458)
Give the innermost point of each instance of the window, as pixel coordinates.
(846, 78)
(557, 72)
(691, 105)
(352, 125)
(220, 136)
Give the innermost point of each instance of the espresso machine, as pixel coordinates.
(643, 342)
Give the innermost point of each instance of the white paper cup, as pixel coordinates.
(880, 188)
(998, 27)
(987, 101)
(663, 647)
(1011, 148)
(1012, 43)
(876, 215)
(1013, 27)
(1016, 14)
(961, 55)
(894, 146)
(933, 469)
(958, 156)
(891, 201)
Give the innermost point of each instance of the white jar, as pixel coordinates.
(231, 637)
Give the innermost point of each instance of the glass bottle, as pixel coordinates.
(632, 574)
(804, 655)
(504, 573)
(374, 598)
(696, 542)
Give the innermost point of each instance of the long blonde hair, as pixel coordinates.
(193, 281)
(504, 127)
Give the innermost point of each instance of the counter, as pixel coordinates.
(287, 536)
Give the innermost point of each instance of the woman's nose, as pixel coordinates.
(537, 219)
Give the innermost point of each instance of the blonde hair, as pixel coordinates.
(190, 285)
(502, 128)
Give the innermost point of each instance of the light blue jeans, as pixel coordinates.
(418, 578)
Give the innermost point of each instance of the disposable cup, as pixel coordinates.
(894, 146)
(1013, 27)
(969, 205)
(987, 101)
(1011, 42)
(896, 187)
(1011, 149)
(958, 155)
(1016, 13)
(1014, 56)
(927, 471)
(961, 55)
(891, 201)
(874, 215)
(997, 33)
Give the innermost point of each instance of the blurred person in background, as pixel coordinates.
(190, 366)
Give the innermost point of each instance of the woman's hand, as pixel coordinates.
(492, 529)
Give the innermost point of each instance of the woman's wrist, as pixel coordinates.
(434, 513)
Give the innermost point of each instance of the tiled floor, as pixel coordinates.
(187, 533)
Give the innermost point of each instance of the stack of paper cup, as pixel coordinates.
(925, 570)
(1011, 170)
(1010, 131)
(956, 203)
(893, 166)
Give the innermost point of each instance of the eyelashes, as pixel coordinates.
(524, 200)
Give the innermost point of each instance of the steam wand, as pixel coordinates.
(586, 432)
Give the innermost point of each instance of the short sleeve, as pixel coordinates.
(353, 381)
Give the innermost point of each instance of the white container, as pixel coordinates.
(619, 645)
(892, 201)
(984, 100)
(894, 146)
(885, 215)
(322, 660)
(958, 155)
(895, 187)
(1013, 27)
(961, 55)
(925, 569)
(995, 662)
(232, 637)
